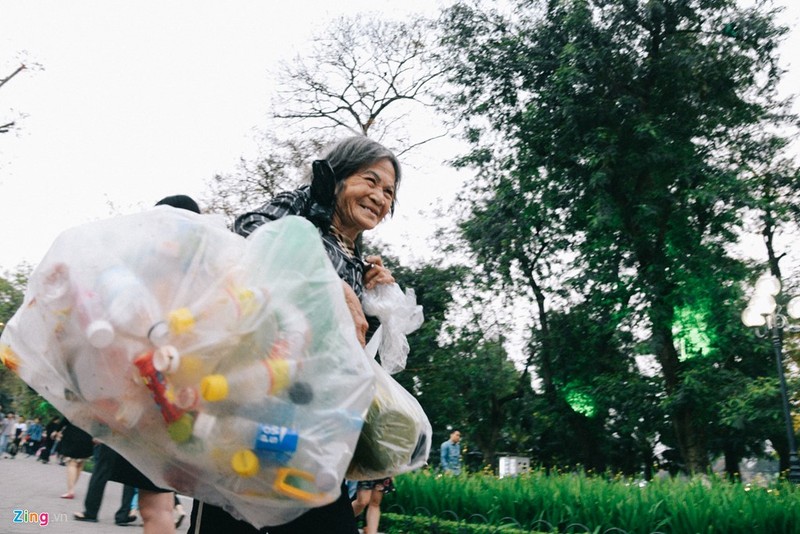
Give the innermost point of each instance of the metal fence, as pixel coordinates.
(434, 526)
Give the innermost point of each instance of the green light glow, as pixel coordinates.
(691, 333)
(579, 400)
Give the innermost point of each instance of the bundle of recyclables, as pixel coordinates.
(224, 368)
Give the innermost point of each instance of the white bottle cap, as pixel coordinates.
(129, 413)
(166, 359)
(100, 333)
(203, 425)
(187, 398)
(159, 334)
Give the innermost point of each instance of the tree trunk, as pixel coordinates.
(688, 431)
(732, 463)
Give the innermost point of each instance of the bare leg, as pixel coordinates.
(156, 511)
(74, 468)
(374, 512)
(361, 501)
(178, 510)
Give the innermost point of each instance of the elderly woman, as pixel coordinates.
(352, 190)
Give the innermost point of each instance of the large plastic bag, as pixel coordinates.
(396, 437)
(399, 315)
(224, 368)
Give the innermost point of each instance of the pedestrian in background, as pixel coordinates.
(451, 454)
(104, 462)
(77, 446)
(34, 440)
(49, 439)
(8, 429)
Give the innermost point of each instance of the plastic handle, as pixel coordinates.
(283, 486)
(372, 347)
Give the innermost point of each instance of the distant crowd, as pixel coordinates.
(30, 437)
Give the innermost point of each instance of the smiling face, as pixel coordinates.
(364, 198)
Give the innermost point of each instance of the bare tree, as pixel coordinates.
(4, 128)
(365, 75)
(282, 165)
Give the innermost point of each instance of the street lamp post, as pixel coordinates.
(762, 312)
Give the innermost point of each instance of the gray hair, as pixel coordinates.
(351, 154)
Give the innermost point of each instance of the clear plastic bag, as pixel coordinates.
(224, 368)
(399, 315)
(396, 437)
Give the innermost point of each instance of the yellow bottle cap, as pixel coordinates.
(247, 301)
(245, 463)
(214, 388)
(280, 372)
(181, 321)
(181, 430)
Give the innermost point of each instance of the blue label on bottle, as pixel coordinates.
(273, 438)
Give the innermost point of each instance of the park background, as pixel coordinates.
(591, 190)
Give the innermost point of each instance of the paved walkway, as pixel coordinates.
(28, 485)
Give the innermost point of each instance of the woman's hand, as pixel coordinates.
(376, 273)
(354, 305)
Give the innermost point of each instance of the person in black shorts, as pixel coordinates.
(369, 495)
(77, 447)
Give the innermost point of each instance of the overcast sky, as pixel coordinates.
(138, 100)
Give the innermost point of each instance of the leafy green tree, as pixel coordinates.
(13, 391)
(462, 379)
(629, 125)
(428, 373)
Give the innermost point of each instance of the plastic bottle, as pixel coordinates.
(243, 305)
(245, 444)
(98, 330)
(58, 292)
(131, 307)
(182, 370)
(226, 309)
(327, 441)
(294, 332)
(55, 288)
(250, 383)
